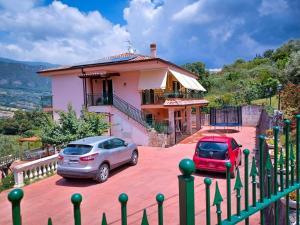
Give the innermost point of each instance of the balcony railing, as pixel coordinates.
(149, 97)
(99, 99)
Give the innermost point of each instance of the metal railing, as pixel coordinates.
(99, 99)
(128, 109)
(149, 97)
(187, 195)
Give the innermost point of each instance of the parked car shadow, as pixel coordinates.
(85, 182)
(210, 174)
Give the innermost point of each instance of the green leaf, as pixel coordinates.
(104, 222)
(218, 197)
(253, 171)
(145, 219)
(268, 163)
(238, 183)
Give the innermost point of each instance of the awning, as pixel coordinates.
(187, 82)
(153, 79)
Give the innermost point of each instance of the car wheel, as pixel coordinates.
(134, 158)
(103, 173)
(232, 174)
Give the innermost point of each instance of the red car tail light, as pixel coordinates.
(89, 157)
(60, 157)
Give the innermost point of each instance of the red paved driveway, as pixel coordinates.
(156, 172)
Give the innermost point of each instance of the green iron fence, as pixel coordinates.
(272, 196)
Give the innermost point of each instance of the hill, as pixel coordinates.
(243, 81)
(20, 85)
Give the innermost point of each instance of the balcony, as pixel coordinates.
(150, 97)
(99, 99)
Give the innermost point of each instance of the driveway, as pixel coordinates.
(156, 172)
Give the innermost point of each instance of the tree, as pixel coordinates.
(69, 127)
(292, 69)
(199, 69)
(291, 100)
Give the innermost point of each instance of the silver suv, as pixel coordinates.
(94, 157)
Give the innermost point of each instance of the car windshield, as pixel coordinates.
(74, 149)
(212, 146)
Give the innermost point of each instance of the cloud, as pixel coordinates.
(192, 13)
(211, 31)
(58, 33)
(268, 7)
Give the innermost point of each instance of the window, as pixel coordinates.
(105, 145)
(113, 143)
(213, 150)
(74, 149)
(234, 144)
(117, 143)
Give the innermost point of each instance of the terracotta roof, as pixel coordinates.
(124, 57)
(185, 102)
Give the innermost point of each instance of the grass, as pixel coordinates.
(9, 144)
(266, 101)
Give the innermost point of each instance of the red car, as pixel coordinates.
(212, 152)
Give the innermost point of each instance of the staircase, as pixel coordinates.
(130, 111)
(137, 115)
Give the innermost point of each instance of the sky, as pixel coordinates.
(215, 32)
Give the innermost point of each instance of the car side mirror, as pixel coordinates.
(240, 145)
(125, 144)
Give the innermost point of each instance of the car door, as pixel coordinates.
(119, 144)
(236, 151)
(109, 152)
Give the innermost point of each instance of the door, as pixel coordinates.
(123, 152)
(109, 153)
(236, 151)
(107, 92)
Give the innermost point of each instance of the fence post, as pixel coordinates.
(228, 177)
(207, 182)
(160, 199)
(261, 175)
(246, 181)
(19, 179)
(297, 165)
(76, 200)
(123, 198)
(186, 192)
(15, 197)
(287, 124)
(276, 136)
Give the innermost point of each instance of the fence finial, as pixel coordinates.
(123, 199)
(15, 197)
(76, 200)
(187, 167)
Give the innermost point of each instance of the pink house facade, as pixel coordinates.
(146, 99)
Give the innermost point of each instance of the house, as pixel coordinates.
(147, 100)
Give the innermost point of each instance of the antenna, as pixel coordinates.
(130, 48)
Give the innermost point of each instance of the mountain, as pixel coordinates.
(20, 85)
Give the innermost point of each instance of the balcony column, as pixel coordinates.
(189, 120)
(172, 126)
(198, 118)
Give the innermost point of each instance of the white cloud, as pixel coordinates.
(268, 7)
(59, 34)
(192, 13)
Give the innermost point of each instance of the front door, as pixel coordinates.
(107, 92)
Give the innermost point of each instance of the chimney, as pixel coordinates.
(153, 50)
